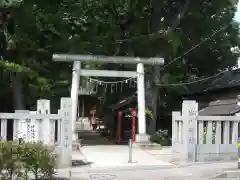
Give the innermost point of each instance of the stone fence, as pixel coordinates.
(203, 138)
(42, 126)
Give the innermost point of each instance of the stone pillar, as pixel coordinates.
(4, 129)
(74, 96)
(176, 131)
(20, 127)
(142, 135)
(189, 114)
(16, 130)
(46, 129)
(66, 133)
(59, 128)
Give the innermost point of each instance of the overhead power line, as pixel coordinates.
(197, 45)
(192, 82)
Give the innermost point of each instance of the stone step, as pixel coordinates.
(76, 146)
(79, 126)
(147, 145)
(230, 174)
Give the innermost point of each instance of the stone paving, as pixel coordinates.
(194, 171)
(115, 155)
(97, 151)
(136, 171)
(100, 159)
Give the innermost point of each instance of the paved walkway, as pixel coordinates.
(100, 152)
(103, 160)
(165, 154)
(100, 159)
(116, 155)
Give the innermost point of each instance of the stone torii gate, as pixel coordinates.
(139, 74)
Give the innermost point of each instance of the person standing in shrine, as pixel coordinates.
(93, 118)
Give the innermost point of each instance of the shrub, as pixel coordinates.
(17, 161)
(205, 135)
(161, 137)
(10, 161)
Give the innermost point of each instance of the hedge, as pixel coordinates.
(26, 161)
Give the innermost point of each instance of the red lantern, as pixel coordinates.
(134, 112)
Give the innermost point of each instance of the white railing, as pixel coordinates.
(39, 126)
(31, 126)
(203, 138)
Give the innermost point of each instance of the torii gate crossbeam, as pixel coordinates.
(77, 72)
(107, 73)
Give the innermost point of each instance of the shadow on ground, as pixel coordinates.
(75, 163)
(78, 163)
(90, 138)
(54, 178)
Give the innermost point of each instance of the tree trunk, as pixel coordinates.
(154, 99)
(153, 91)
(18, 97)
(155, 26)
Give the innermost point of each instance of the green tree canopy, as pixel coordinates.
(194, 37)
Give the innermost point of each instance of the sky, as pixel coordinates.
(237, 16)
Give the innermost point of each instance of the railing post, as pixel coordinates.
(46, 132)
(238, 159)
(59, 128)
(16, 123)
(175, 134)
(4, 129)
(236, 135)
(20, 127)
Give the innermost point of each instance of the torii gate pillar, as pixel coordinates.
(74, 96)
(142, 135)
